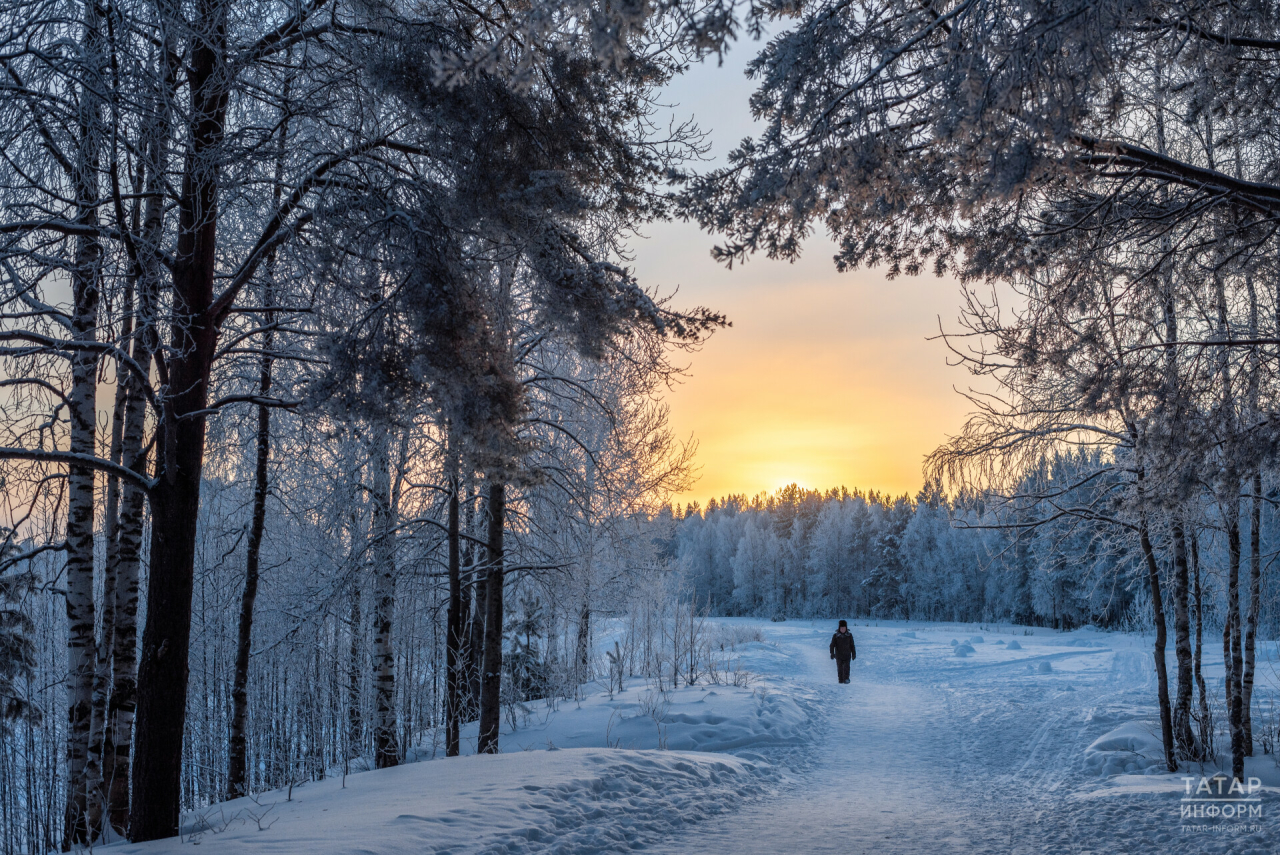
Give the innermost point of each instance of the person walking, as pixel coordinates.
(843, 651)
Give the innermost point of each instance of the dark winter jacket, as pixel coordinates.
(842, 646)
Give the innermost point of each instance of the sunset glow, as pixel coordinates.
(823, 380)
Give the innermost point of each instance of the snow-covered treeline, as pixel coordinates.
(808, 553)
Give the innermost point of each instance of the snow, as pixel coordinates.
(1134, 746)
(1038, 745)
(691, 718)
(511, 803)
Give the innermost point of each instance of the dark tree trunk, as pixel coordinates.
(163, 670)
(385, 750)
(491, 676)
(453, 631)
(1227, 677)
(1206, 731)
(1255, 537)
(237, 750)
(237, 781)
(355, 718)
(1162, 672)
(475, 644)
(175, 505)
(584, 642)
(468, 693)
(1231, 644)
(1255, 606)
(583, 652)
(1183, 735)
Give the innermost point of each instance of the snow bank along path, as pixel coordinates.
(575, 800)
(576, 776)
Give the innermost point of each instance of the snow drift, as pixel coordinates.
(510, 803)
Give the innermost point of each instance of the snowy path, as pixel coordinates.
(925, 753)
(880, 780)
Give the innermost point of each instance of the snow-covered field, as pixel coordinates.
(1023, 741)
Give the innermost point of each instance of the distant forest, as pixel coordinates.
(841, 553)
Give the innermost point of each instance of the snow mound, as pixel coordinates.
(964, 650)
(1132, 748)
(906, 635)
(691, 718)
(977, 639)
(1044, 667)
(1014, 645)
(954, 642)
(583, 800)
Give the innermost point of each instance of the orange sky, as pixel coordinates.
(825, 379)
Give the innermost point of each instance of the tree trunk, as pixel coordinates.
(81, 643)
(467, 696)
(175, 500)
(1231, 644)
(82, 416)
(1184, 736)
(237, 780)
(94, 773)
(1255, 537)
(1255, 606)
(491, 676)
(479, 585)
(237, 750)
(163, 669)
(583, 652)
(127, 560)
(1162, 673)
(1227, 676)
(355, 719)
(453, 629)
(1206, 731)
(385, 752)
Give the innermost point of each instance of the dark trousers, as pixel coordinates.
(842, 668)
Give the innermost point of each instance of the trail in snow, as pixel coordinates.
(929, 753)
(881, 779)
